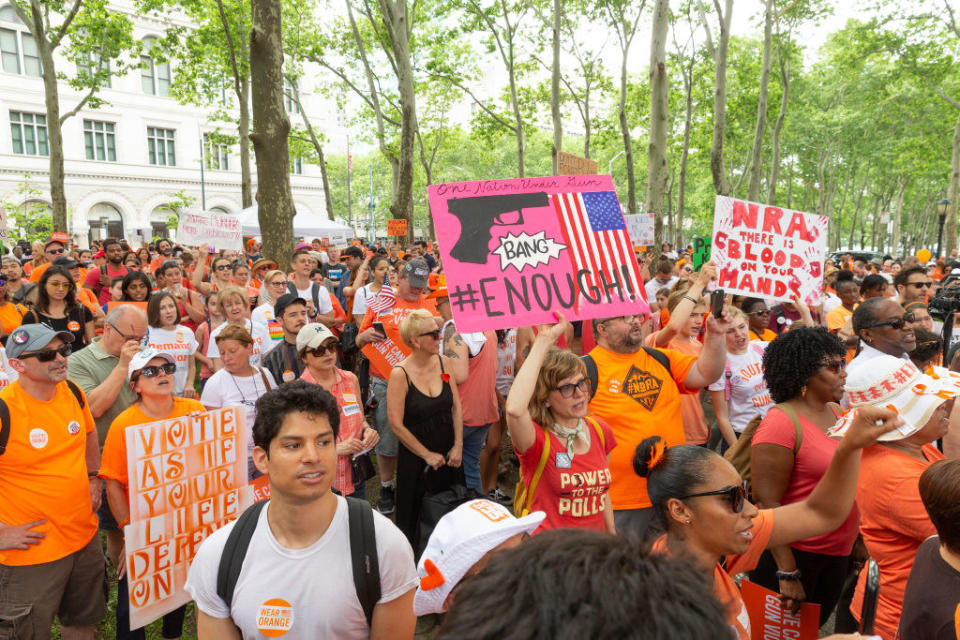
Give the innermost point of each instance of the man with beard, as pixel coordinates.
(637, 391)
(98, 280)
(283, 361)
(51, 564)
(164, 251)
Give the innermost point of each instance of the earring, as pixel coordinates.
(688, 520)
(803, 390)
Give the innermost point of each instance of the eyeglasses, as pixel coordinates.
(48, 355)
(142, 340)
(630, 319)
(896, 323)
(761, 312)
(58, 285)
(280, 283)
(152, 371)
(567, 390)
(322, 349)
(836, 366)
(736, 495)
(435, 334)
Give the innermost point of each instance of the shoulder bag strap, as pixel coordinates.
(235, 550)
(4, 426)
(77, 393)
(363, 555)
(596, 427)
(266, 381)
(535, 480)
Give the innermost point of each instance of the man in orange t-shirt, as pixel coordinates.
(410, 292)
(51, 563)
(638, 397)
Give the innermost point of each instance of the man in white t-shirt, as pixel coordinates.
(297, 576)
(318, 300)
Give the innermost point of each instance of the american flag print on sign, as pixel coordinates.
(597, 236)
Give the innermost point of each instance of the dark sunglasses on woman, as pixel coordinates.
(736, 495)
(153, 370)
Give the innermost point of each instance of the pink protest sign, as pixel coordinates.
(516, 251)
(768, 252)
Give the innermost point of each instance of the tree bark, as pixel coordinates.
(778, 127)
(659, 93)
(271, 128)
(685, 152)
(756, 161)
(58, 194)
(895, 216)
(627, 143)
(555, 88)
(246, 184)
(953, 191)
(720, 183)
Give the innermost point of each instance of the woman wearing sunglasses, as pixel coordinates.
(758, 317)
(564, 455)
(57, 307)
(423, 408)
(790, 452)
(317, 347)
(274, 285)
(151, 376)
(700, 500)
(221, 273)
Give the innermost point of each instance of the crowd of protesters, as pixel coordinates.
(656, 455)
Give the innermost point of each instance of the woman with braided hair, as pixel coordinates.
(701, 503)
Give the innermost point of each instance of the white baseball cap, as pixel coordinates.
(147, 354)
(459, 541)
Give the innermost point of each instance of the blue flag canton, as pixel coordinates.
(603, 210)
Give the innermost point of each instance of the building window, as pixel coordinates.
(18, 49)
(99, 141)
(90, 63)
(161, 147)
(289, 92)
(28, 131)
(216, 154)
(154, 75)
(296, 165)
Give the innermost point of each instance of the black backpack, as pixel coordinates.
(363, 553)
(594, 376)
(314, 292)
(5, 415)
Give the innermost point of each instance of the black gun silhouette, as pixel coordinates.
(479, 214)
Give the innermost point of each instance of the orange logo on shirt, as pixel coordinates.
(73, 325)
(275, 617)
(180, 339)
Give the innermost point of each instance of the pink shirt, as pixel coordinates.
(809, 465)
(351, 422)
(93, 280)
(478, 395)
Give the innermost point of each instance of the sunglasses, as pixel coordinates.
(58, 285)
(896, 323)
(835, 365)
(153, 370)
(48, 355)
(322, 349)
(55, 251)
(567, 390)
(223, 267)
(920, 285)
(762, 312)
(736, 495)
(435, 334)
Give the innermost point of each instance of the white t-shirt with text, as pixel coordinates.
(749, 395)
(301, 594)
(178, 342)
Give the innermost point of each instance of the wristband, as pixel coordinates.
(691, 299)
(93, 474)
(788, 575)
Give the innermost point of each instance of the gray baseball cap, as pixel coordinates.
(33, 337)
(417, 272)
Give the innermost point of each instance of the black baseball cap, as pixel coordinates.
(285, 301)
(352, 250)
(66, 262)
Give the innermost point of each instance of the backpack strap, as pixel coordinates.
(660, 357)
(535, 480)
(592, 373)
(727, 374)
(77, 393)
(315, 292)
(596, 427)
(363, 554)
(235, 550)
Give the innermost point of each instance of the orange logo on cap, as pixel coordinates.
(490, 510)
(275, 617)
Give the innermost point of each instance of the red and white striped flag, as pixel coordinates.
(385, 299)
(594, 229)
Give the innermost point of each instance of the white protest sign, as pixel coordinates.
(218, 230)
(3, 223)
(641, 228)
(768, 252)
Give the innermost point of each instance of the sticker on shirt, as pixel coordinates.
(350, 398)
(289, 376)
(563, 460)
(73, 325)
(38, 438)
(642, 387)
(351, 409)
(275, 617)
(73, 428)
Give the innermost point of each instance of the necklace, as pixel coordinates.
(256, 390)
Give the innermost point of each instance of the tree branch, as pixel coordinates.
(56, 37)
(80, 105)
(477, 100)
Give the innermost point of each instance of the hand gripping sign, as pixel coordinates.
(515, 251)
(768, 252)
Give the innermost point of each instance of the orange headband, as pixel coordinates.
(656, 455)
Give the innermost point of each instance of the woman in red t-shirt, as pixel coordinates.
(701, 502)
(805, 372)
(548, 404)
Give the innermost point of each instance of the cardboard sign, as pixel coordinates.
(572, 165)
(641, 227)
(187, 478)
(218, 230)
(768, 252)
(397, 227)
(59, 236)
(516, 251)
(769, 621)
(701, 252)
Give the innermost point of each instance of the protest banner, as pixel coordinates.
(573, 165)
(218, 230)
(641, 228)
(397, 227)
(187, 478)
(768, 252)
(770, 621)
(60, 236)
(701, 252)
(516, 251)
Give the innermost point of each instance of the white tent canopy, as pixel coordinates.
(307, 225)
